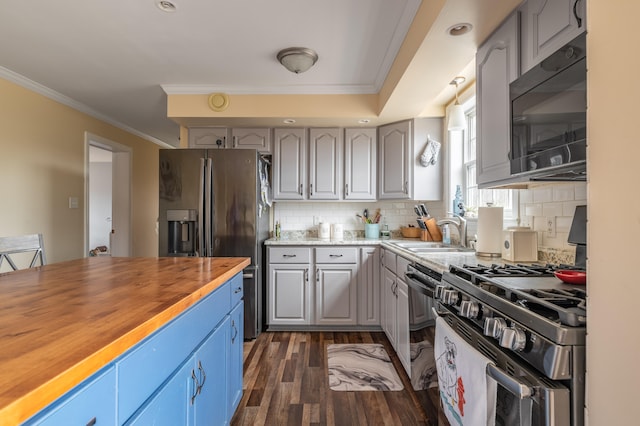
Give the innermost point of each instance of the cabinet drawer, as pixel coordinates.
(336, 255)
(237, 288)
(289, 255)
(151, 362)
(93, 399)
(389, 260)
(401, 266)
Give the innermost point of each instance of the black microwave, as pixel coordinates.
(549, 116)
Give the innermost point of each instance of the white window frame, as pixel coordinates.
(459, 163)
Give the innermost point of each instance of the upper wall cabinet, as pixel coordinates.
(223, 137)
(360, 164)
(401, 175)
(497, 66)
(325, 164)
(547, 25)
(289, 164)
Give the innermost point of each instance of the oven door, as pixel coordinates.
(524, 397)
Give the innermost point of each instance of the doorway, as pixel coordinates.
(108, 197)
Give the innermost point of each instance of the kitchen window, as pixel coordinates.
(463, 172)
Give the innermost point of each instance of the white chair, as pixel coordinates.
(10, 246)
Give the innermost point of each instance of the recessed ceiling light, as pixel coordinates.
(459, 29)
(364, 121)
(289, 121)
(166, 5)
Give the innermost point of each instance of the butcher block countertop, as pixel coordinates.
(62, 322)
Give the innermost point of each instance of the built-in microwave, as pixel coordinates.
(548, 116)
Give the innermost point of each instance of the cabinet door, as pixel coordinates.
(394, 148)
(211, 369)
(389, 323)
(289, 164)
(360, 164)
(497, 66)
(93, 401)
(547, 26)
(208, 137)
(289, 296)
(369, 287)
(336, 294)
(325, 164)
(171, 405)
(402, 320)
(236, 339)
(257, 138)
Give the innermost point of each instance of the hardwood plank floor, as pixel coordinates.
(286, 383)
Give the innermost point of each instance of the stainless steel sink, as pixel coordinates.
(423, 247)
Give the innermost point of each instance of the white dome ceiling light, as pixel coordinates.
(297, 59)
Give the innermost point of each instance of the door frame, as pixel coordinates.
(124, 202)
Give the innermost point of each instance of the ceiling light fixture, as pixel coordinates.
(166, 6)
(297, 59)
(459, 29)
(457, 120)
(364, 121)
(288, 121)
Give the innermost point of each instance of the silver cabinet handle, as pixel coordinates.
(204, 376)
(233, 338)
(196, 386)
(575, 13)
(346, 190)
(300, 189)
(336, 255)
(288, 255)
(92, 422)
(318, 275)
(306, 274)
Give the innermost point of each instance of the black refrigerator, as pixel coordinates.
(216, 203)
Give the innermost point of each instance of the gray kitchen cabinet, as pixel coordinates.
(289, 164)
(325, 164)
(336, 286)
(289, 290)
(251, 138)
(496, 67)
(208, 137)
(390, 306)
(394, 147)
(402, 347)
(360, 164)
(223, 137)
(400, 173)
(369, 287)
(547, 26)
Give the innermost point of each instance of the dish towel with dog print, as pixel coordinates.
(468, 396)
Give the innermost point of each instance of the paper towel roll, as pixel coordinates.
(489, 231)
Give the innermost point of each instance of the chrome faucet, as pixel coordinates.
(460, 223)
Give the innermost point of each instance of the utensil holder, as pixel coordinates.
(372, 231)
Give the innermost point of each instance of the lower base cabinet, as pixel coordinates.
(189, 372)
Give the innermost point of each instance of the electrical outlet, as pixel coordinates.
(551, 226)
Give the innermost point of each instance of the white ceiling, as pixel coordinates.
(113, 58)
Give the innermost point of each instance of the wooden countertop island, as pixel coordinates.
(62, 322)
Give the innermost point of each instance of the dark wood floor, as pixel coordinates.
(286, 383)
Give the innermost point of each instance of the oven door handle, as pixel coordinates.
(519, 390)
(418, 285)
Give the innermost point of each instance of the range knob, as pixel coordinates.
(438, 292)
(513, 338)
(493, 327)
(449, 297)
(469, 309)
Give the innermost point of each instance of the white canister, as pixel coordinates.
(324, 231)
(337, 231)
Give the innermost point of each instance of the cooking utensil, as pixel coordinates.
(417, 210)
(571, 277)
(365, 213)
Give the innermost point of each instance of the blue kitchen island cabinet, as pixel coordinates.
(187, 372)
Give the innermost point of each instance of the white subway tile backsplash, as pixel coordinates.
(542, 195)
(564, 192)
(533, 210)
(563, 224)
(526, 196)
(580, 190)
(569, 209)
(552, 209)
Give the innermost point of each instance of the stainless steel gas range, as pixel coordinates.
(533, 327)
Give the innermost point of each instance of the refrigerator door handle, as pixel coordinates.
(200, 237)
(208, 208)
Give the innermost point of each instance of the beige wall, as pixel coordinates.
(42, 165)
(613, 340)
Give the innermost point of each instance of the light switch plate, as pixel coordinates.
(551, 226)
(73, 202)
